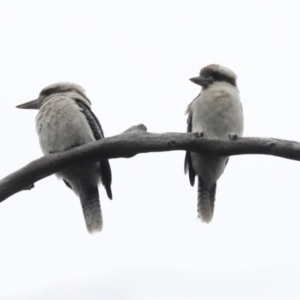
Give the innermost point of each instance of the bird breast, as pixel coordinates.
(217, 112)
(61, 125)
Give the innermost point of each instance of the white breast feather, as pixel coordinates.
(61, 125)
(217, 112)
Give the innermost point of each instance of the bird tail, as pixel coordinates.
(206, 201)
(89, 198)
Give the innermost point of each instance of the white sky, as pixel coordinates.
(134, 59)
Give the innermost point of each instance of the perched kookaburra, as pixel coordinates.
(216, 113)
(64, 121)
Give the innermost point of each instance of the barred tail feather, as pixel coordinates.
(212, 194)
(206, 201)
(90, 203)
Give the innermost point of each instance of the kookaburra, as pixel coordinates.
(64, 121)
(216, 113)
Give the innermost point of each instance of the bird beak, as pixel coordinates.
(203, 81)
(34, 104)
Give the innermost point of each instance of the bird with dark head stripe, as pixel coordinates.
(64, 121)
(216, 113)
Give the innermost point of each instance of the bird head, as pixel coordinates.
(213, 73)
(66, 88)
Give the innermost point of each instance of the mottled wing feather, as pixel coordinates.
(67, 184)
(226, 162)
(96, 129)
(188, 161)
(105, 171)
(188, 167)
(92, 120)
(106, 177)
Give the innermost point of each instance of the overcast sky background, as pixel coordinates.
(134, 59)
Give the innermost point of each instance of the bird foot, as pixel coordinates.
(232, 137)
(199, 134)
(29, 187)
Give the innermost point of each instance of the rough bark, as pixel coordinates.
(136, 140)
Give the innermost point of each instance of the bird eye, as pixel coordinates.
(216, 76)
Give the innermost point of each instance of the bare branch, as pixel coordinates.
(136, 140)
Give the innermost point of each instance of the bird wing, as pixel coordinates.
(67, 184)
(188, 167)
(105, 171)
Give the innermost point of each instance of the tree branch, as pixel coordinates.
(136, 140)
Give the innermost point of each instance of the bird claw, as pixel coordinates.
(29, 187)
(232, 137)
(199, 134)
